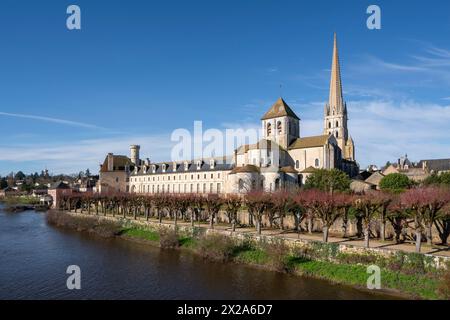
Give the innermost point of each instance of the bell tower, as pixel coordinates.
(280, 124)
(335, 112)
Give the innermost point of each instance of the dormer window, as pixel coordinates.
(145, 169)
(174, 167)
(186, 166)
(153, 168)
(212, 164)
(199, 165)
(164, 167)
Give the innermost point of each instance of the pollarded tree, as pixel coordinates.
(368, 206)
(282, 203)
(298, 209)
(232, 204)
(326, 207)
(424, 205)
(442, 224)
(257, 202)
(397, 215)
(213, 203)
(159, 203)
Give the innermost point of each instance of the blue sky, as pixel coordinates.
(139, 69)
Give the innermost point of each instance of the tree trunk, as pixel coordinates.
(418, 240)
(147, 213)
(233, 224)
(430, 234)
(211, 222)
(192, 217)
(325, 233)
(258, 226)
(366, 236)
(281, 222)
(175, 217)
(158, 212)
(383, 230)
(310, 225)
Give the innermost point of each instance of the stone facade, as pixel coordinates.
(281, 159)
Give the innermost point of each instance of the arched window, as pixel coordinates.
(269, 129)
(316, 163)
(279, 127)
(297, 164)
(337, 134)
(329, 125)
(277, 184)
(337, 123)
(241, 185)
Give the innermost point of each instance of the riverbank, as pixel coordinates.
(22, 203)
(402, 274)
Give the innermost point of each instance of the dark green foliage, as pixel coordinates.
(395, 182)
(328, 180)
(441, 179)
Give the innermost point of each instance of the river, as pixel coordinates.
(34, 257)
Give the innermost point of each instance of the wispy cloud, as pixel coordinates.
(53, 120)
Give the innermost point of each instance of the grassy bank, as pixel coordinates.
(406, 273)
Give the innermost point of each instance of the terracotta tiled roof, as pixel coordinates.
(279, 109)
(119, 163)
(308, 170)
(288, 169)
(309, 142)
(245, 169)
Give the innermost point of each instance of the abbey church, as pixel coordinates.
(281, 159)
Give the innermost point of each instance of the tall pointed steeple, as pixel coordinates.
(335, 117)
(336, 99)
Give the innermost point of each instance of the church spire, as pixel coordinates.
(336, 99)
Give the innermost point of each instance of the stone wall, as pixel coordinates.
(438, 262)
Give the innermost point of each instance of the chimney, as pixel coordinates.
(110, 162)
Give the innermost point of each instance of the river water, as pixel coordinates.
(34, 257)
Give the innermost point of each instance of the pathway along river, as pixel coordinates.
(34, 257)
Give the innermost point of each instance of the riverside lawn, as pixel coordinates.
(407, 274)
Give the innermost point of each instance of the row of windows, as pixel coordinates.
(329, 124)
(316, 163)
(174, 178)
(179, 188)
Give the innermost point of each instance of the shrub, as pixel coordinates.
(168, 238)
(351, 258)
(277, 253)
(395, 182)
(103, 228)
(444, 287)
(216, 247)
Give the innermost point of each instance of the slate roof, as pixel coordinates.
(436, 164)
(309, 142)
(59, 185)
(279, 109)
(192, 168)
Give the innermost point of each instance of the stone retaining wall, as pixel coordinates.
(438, 262)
